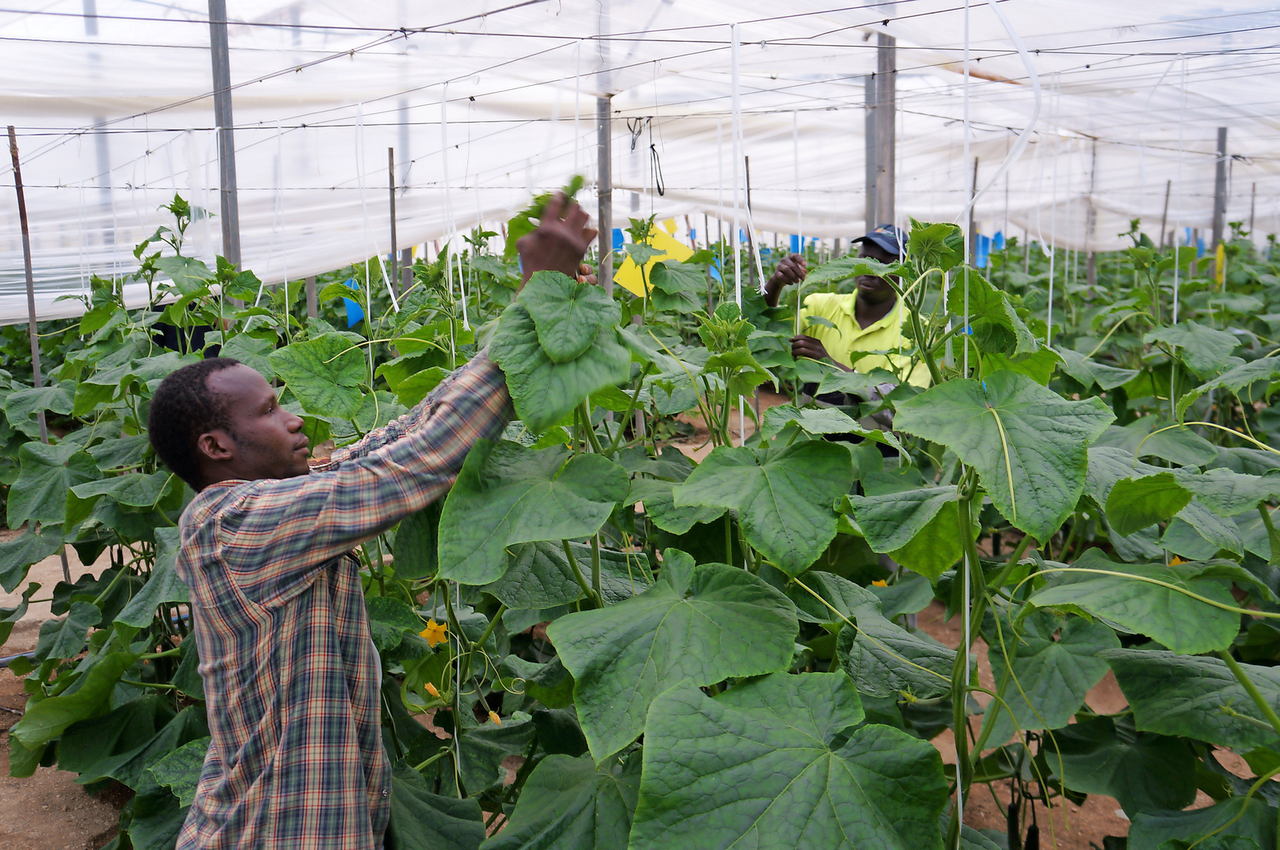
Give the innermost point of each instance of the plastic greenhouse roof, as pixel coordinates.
(114, 115)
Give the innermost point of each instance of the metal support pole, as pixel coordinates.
(1219, 189)
(869, 142)
(1164, 216)
(886, 106)
(1253, 206)
(391, 187)
(313, 309)
(604, 188)
(31, 282)
(973, 240)
(230, 205)
(37, 380)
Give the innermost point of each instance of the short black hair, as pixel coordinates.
(182, 409)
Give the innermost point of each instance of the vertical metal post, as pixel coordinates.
(604, 188)
(1219, 189)
(869, 142)
(1164, 216)
(1253, 205)
(37, 380)
(313, 309)
(391, 187)
(229, 200)
(973, 241)
(31, 282)
(886, 105)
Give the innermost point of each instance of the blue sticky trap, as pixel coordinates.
(742, 235)
(1200, 247)
(355, 313)
(693, 236)
(766, 251)
(981, 251)
(714, 271)
(617, 239)
(795, 243)
(997, 241)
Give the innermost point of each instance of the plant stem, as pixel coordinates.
(488, 632)
(435, 758)
(595, 568)
(589, 428)
(1265, 707)
(577, 574)
(631, 406)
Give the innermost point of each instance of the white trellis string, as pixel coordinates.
(737, 164)
(448, 203)
(1056, 109)
(795, 153)
(965, 581)
(577, 99)
(1182, 111)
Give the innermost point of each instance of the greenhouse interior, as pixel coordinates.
(607, 423)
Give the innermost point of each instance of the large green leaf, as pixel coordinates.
(122, 743)
(1204, 350)
(566, 313)
(484, 747)
(783, 496)
(179, 771)
(1234, 379)
(251, 351)
(570, 804)
(820, 421)
(544, 391)
(1106, 755)
(1195, 697)
(1149, 436)
(698, 624)
(65, 638)
(9, 617)
(389, 620)
(540, 575)
(163, 588)
(27, 548)
(660, 507)
(1027, 442)
(851, 265)
(1043, 671)
(1249, 818)
(133, 489)
(1135, 503)
(882, 658)
(21, 406)
(919, 528)
(187, 273)
(994, 321)
(325, 373)
(507, 494)
(1228, 493)
(1089, 372)
(48, 718)
(417, 545)
(47, 472)
(771, 763)
(1155, 600)
(421, 820)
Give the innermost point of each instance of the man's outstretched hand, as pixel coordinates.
(791, 269)
(559, 242)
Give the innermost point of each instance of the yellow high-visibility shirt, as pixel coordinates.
(848, 336)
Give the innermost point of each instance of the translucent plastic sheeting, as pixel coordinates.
(114, 116)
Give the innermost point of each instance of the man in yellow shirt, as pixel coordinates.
(869, 319)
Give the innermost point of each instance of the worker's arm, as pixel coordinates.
(791, 269)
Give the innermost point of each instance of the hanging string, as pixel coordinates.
(967, 578)
(577, 108)
(795, 154)
(737, 165)
(655, 164)
(275, 212)
(720, 195)
(448, 205)
(1056, 109)
(1177, 216)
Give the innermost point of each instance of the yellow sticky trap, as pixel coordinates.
(1220, 263)
(628, 274)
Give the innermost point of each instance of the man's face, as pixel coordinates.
(872, 289)
(266, 440)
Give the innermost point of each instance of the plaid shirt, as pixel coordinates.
(290, 673)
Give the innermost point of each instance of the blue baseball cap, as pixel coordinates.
(887, 237)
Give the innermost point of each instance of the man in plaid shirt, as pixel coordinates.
(291, 676)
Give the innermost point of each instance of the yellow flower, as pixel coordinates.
(1176, 560)
(431, 689)
(435, 633)
(493, 716)
(879, 583)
